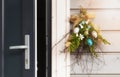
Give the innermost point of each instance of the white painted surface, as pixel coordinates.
(95, 3)
(105, 19)
(54, 31)
(107, 14)
(106, 64)
(60, 26)
(114, 38)
(95, 75)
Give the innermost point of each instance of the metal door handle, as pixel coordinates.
(27, 50)
(18, 47)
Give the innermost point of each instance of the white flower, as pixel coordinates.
(76, 30)
(89, 26)
(81, 37)
(94, 34)
(83, 22)
(81, 26)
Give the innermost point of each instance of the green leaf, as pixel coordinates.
(75, 42)
(105, 41)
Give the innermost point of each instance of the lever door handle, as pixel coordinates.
(26, 47)
(18, 47)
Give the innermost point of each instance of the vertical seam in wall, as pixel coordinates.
(68, 26)
(54, 48)
(65, 33)
(56, 36)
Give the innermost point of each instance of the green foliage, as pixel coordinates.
(75, 42)
(105, 41)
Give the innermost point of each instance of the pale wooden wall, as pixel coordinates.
(60, 26)
(108, 18)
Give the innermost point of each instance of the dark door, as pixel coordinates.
(17, 53)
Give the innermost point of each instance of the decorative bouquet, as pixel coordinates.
(84, 36)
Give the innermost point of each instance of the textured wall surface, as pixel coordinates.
(108, 19)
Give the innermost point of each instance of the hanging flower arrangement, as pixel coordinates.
(84, 36)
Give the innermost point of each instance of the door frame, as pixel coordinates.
(60, 26)
(35, 7)
(2, 37)
(48, 38)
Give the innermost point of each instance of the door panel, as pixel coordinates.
(1, 47)
(18, 21)
(13, 59)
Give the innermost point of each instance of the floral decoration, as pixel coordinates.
(84, 36)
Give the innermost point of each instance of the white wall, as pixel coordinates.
(60, 26)
(108, 18)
